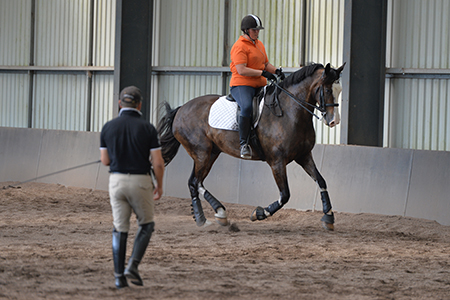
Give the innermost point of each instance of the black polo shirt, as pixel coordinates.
(129, 139)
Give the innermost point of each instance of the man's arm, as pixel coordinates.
(104, 157)
(158, 168)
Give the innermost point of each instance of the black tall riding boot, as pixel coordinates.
(140, 245)
(244, 132)
(119, 247)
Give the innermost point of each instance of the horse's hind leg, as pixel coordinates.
(310, 168)
(196, 186)
(197, 209)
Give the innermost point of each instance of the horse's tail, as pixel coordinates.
(169, 144)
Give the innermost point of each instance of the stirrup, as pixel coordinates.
(246, 152)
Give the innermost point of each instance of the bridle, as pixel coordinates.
(322, 105)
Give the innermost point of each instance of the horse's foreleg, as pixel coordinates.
(279, 173)
(310, 168)
(220, 215)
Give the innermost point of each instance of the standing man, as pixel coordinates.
(129, 145)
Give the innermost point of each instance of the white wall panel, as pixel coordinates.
(104, 32)
(190, 33)
(15, 32)
(60, 102)
(420, 34)
(420, 118)
(62, 32)
(14, 100)
(102, 101)
(419, 106)
(14, 51)
(324, 40)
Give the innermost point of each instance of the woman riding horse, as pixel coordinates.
(283, 138)
(249, 65)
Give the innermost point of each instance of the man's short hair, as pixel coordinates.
(130, 96)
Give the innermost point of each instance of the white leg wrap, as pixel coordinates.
(221, 213)
(201, 190)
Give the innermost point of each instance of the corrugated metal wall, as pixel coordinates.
(15, 32)
(62, 31)
(14, 100)
(102, 104)
(324, 44)
(418, 97)
(57, 64)
(15, 51)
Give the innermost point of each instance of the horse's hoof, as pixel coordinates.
(328, 221)
(258, 214)
(222, 221)
(328, 226)
(205, 224)
(221, 217)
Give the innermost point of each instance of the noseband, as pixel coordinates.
(322, 105)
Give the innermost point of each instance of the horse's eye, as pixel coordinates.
(328, 91)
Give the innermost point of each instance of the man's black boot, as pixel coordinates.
(119, 247)
(140, 245)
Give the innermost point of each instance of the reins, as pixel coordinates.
(297, 100)
(302, 103)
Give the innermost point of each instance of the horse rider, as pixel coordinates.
(249, 67)
(130, 146)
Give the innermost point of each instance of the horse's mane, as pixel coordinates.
(294, 78)
(301, 74)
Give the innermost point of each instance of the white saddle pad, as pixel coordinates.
(222, 114)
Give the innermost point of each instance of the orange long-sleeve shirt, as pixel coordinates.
(254, 56)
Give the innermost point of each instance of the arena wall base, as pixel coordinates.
(411, 183)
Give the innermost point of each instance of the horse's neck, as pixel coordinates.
(304, 93)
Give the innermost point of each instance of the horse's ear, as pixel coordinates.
(327, 68)
(341, 68)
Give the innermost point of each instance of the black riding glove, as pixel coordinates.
(268, 75)
(280, 73)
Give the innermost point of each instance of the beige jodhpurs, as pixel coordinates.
(131, 192)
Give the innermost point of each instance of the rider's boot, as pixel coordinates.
(244, 131)
(119, 244)
(140, 245)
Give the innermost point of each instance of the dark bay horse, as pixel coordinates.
(283, 138)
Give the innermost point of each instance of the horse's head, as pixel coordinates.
(326, 94)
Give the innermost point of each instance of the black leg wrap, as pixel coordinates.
(197, 210)
(258, 214)
(325, 202)
(329, 219)
(215, 204)
(274, 207)
(119, 249)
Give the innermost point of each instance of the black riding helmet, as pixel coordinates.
(251, 22)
